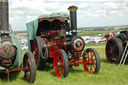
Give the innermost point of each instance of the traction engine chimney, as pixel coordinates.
(73, 18)
(4, 15)
(7, 50)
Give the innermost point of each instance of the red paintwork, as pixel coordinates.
(108, 36)
(52, 19)
(90, 66)
(54, 42)
(80, 46)
(12, 70)
(35, 51)
(31, 45)
(77, 59)
(102, 41)
(59, 70)
(7, 54)
(9, 61)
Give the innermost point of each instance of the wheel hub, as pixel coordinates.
(91, 62)
(78, 44)
(59, 64)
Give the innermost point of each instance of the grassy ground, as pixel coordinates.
(110, 74)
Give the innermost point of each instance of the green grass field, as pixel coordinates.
(110, 74)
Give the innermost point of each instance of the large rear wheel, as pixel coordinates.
(60, 63)
(40, 53)
(114, 50)
(91, 61)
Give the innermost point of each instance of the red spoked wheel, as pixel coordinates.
(60, 63)
(114, 50)
(91, 61)
(29, 66)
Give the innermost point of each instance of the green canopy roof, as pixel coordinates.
(33, 25)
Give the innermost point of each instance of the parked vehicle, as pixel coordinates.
(10, 49)
(116, 48)
(52, 39)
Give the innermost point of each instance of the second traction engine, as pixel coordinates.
(56, 41)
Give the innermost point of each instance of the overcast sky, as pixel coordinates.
(91, 13)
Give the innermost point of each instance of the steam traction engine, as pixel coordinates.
(116, 48)
(55, 40)
(10, 50)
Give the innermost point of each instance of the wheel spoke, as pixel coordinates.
(92, 55)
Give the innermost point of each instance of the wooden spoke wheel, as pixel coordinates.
(60, 63)
(40, 52)
(91, 61)
(29, 67)
(114, 50)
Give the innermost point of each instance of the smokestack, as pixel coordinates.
(0, 15)
(4, 20)
(73, 18)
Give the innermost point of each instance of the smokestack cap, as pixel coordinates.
(72, 8)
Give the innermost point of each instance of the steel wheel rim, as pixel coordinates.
(112, 52)
(36, 53)
(45, 52)
(90, 61)
(59, 64)
(27, 67)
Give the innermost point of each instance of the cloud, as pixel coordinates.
(89, 11)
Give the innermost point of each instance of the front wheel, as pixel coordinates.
(91, 61)
(29, 66)
(60, 63)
